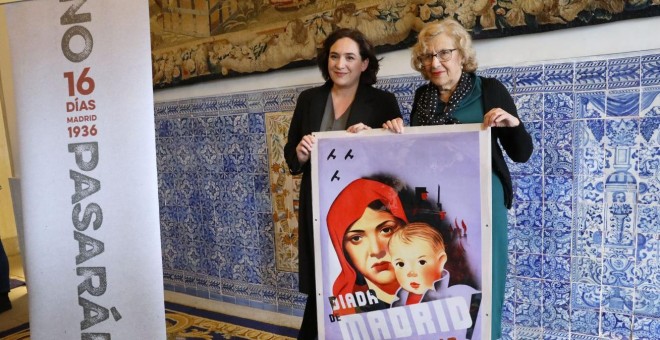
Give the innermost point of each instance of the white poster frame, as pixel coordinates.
(387, 149)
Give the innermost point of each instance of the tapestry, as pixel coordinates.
(197, 40)
(285, 190)
(402, 233)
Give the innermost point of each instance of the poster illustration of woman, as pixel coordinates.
(402, 233)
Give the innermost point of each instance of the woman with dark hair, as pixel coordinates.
(347, 101)
(360, 221)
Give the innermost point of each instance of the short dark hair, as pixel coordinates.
(367, 51)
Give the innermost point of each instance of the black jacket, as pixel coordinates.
(516, 141)
(372, 107)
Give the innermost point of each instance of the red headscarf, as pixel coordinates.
(347, 208)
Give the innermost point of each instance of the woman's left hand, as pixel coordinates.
(358, 127)
(499, 118)
(395, 125)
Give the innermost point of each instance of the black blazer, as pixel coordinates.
(372, 107)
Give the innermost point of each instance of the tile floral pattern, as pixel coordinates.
(584, 239)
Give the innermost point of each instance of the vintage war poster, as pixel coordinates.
(402, 233)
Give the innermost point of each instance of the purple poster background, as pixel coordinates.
(455, 159)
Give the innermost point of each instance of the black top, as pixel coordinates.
(372, 107)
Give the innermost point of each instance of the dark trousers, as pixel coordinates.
(4, 271)
(309, 328)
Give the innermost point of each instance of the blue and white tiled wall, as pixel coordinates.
(584, 238)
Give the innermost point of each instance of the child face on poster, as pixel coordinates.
(418, 255)
(365, 243)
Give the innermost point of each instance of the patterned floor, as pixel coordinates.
(189, 323)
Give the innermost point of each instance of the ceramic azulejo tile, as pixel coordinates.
(510, 284)
(529, 266)
(558, 189)
(206, 125)
(528, 188)
(645, 328)
(528, 79)
(590, 75)
(559, 77)
(650, 102)
(556, 242)
(586, 271)
(623, 103)
(618, 268)
(508, 318)
(256, 144)
(558, 106)
(234, 103)
(585, 296)
(558, 162)
(528, 332)
(503, 74)
(649, 162)
(556, 318)
(623, 72)
(649, 129)
(619, 218)
(254, 102)
(285, 297)
(284, 99)
(401, 86)
(530, 106)
(529, 215)
(589, 181)
(590, 104)
(257, 123)
(236, 123)
(588, 235)
(287, 280)
(616, 326)
(535, 130)
(648, 218)
(647, 265)
(646, 302)
(550, 334)
(585, 322)
(164, 128)
(556, 293)
(528, 315)
(650, 69)
(508, 331)
(558, 134)
(588, 133)
(526, 241)
(617, 300)
(557, 216)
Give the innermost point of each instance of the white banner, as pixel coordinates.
(84, 102)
